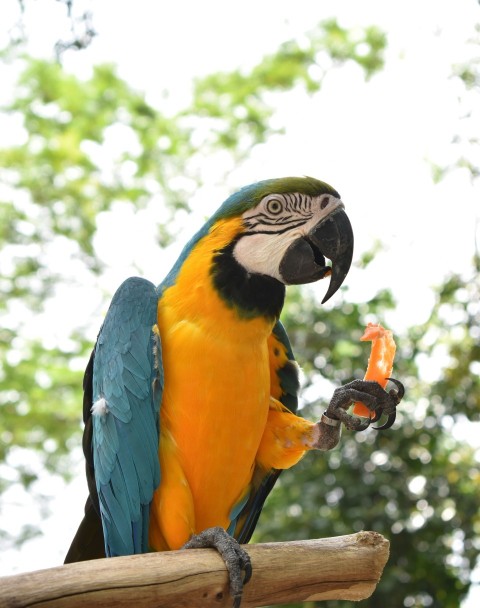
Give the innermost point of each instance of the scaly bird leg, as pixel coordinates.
(236, 559)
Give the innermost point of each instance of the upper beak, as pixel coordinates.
(304, 260)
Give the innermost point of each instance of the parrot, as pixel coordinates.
(191, 391)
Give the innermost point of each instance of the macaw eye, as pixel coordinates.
(274, 206)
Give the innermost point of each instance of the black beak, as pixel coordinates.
(304, 260)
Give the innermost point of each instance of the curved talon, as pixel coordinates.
(397, 396)
(388, 424)
(365, 425)
(248, 572)
(401, 389)
(377, 415)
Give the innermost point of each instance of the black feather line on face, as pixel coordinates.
(296, 208)
(277, 231)
(251, 295)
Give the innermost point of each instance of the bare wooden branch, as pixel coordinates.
(343, 567)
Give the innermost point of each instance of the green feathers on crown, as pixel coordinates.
(251, 195)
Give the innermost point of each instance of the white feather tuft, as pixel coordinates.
(99, 408)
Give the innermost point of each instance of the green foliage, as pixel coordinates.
(240, 103)
(40, 408)
(62, 168)
(469, 71)
(365, 47)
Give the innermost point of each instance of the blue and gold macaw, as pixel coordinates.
(191, 391)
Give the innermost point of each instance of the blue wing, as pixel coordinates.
(288, 374)
(126, 393)
(244, 516)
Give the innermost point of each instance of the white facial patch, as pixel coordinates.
(99, 408)
(262, 253)
(273, 225)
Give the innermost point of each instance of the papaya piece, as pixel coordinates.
(380, 362)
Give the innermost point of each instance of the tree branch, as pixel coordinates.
(343, 567)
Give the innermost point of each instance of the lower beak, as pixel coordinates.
(304, 260)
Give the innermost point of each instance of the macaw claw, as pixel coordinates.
(388, 424)
(401, 389)
(373, 396)
(235, 557)
(396, 396)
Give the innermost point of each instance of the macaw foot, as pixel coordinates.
(236, 559)
(370, 394)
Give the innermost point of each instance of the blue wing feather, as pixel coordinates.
(244, 516)
(288, 374)
(128, 375)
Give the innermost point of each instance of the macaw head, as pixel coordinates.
(289, 227)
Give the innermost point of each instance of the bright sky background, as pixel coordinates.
(374, 142)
